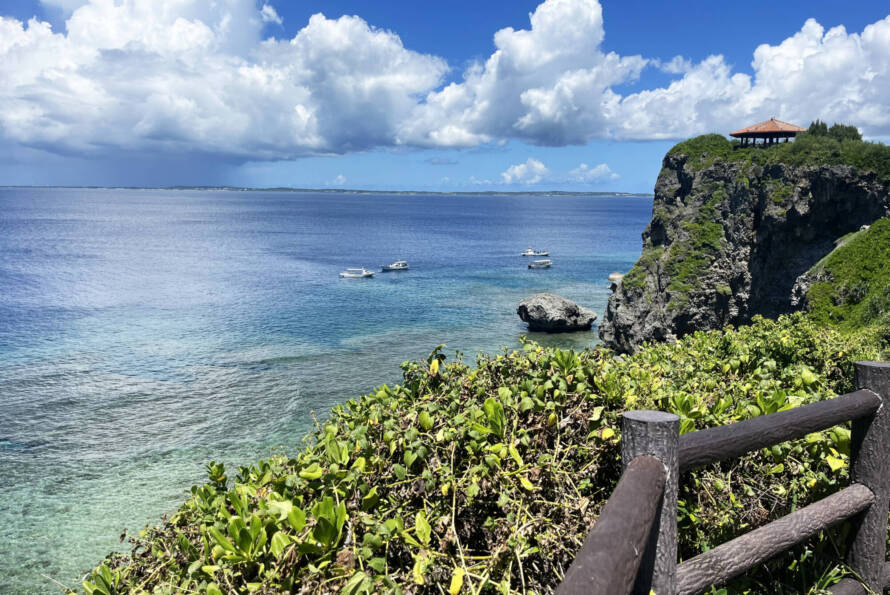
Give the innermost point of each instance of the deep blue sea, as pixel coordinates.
(146, 332)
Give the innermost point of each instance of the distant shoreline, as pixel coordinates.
(348, 191)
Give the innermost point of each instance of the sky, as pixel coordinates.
(574, 95)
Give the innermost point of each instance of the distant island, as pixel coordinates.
(353, 191)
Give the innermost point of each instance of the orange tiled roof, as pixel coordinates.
(771, 125)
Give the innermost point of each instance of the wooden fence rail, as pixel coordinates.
(632, 547)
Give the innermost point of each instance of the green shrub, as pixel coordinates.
(856, 291)
(646, 265)
(843, 146)
(487, 479)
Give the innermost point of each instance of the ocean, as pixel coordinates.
(144, 333)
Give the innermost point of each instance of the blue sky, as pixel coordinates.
(589, 96)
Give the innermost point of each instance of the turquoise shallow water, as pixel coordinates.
(144, 333)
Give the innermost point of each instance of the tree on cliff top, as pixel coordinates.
(837, 131)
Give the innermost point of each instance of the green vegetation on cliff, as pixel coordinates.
(486, 479)
(690, 257)
(711, 197)
(807, 149)
(852, 287)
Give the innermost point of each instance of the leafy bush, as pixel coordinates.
(488, 478)
(838, 132)
(855, 291)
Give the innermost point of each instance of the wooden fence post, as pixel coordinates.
(656, 433)
(870, 466)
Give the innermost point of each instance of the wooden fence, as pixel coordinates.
(632, 548)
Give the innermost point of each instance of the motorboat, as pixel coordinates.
(540, 264)
(361, 273)
(532, 252)
(399, 265)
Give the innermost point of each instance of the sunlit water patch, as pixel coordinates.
(144, 333)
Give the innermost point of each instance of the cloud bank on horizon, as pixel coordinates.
(187, 76)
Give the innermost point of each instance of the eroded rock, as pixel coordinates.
(554, 314)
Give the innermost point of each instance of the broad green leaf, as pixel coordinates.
(422, 528)
(835, 463)
(357, 583)
(313, 471)
(505, 394)
(515, 454)
(597, 413)
(370, 499)
(221, 539)
(421, 563)
(296, 518)
(457, 581)
(494, 411)
(280, 508)
(279, 542)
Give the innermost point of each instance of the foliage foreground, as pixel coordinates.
(487, 479)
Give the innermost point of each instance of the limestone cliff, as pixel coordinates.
(732, 230)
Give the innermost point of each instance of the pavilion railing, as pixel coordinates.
(632, 547)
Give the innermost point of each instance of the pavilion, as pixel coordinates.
(770, 131)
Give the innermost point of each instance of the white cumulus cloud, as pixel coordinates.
(196, 77)
(833, 75)
(597, 173)
(270, 15)
(547, 85)
(530, 172)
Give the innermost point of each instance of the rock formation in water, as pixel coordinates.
(733, 230)
(554, 314)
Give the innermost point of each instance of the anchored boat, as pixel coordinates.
(361, 273)
(399, 265)
(532, 252)
(540, 264)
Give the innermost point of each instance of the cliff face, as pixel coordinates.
(729, 237)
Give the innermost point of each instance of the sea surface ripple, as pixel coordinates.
(146, 332)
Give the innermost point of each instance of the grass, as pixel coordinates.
(856, 292)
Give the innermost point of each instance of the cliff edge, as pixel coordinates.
(733, 229)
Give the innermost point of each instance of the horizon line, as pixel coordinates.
(332, 190)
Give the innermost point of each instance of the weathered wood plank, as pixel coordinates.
(870, 466)
(734, 557)
(608, 561)
(726, 442)
(656, 433)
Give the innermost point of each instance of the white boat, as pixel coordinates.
(357, 273)
(399, 265)
(540, 264)
(532, 252)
